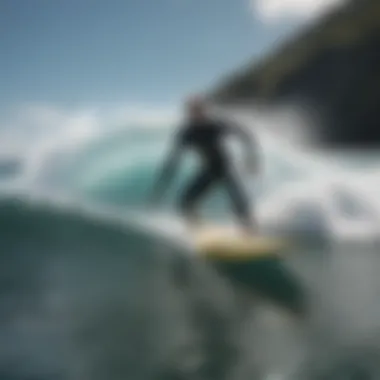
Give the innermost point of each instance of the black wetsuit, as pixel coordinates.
(206, 138)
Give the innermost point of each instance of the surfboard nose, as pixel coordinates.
(269, 279)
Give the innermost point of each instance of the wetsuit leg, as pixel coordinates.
(198, 187)
(240, 201)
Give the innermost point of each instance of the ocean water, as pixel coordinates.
(96, 286)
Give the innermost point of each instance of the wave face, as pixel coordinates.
(92, 287)
(88, 297)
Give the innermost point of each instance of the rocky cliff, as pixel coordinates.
(333, 66)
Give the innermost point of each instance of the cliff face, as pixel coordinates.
(333, 66)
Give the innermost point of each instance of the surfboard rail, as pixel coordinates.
(223, 243)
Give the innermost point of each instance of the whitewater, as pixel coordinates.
(95, 286)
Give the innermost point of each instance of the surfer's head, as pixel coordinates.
(195, 107)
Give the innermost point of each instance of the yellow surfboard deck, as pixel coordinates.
(224, 243)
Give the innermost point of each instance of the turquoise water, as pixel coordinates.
(90, 291)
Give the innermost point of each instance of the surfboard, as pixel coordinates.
(226, 243)
(254, 263)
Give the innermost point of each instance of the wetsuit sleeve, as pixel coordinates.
(169, 167)
(236, 129)
(248, 139)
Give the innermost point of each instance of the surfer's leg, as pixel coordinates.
(194, 193)
(240, 203)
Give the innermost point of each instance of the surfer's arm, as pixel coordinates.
(167, 171)
(250, 143)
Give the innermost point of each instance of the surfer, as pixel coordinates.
(204, 134)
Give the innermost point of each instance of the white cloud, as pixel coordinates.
(272, 11)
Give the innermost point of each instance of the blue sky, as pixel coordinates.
(79, 52)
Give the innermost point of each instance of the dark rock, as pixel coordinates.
(333, 67)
